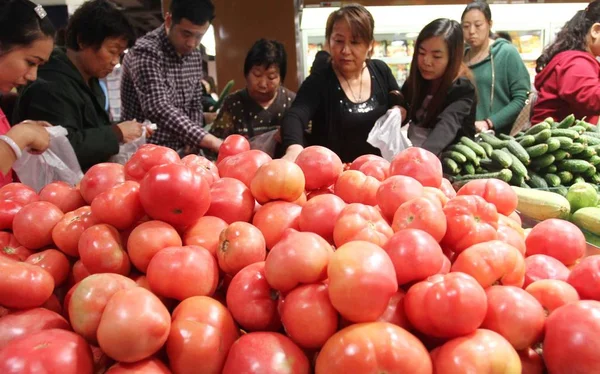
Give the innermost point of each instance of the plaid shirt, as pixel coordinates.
(160, 86)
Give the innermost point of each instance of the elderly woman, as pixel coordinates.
(260, 106)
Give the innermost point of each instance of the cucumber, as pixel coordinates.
(537, 150)
(578, 179)
(553, 144)
(595, 179)
(538, 128)
(502, 158)
(541, 205)
(574, 148)
(468, 152)
(535, 181)
(588, 219)
(480, 170)
(490, 164)
(586, 125)
(469, 169)
(553, 180)
(479, 151)
(517, 180)
(566, 122)
(492, 140)
(588, 139)
(450, 166)
(565, 132)
(574, 166)
(524, 185)
(542, 136)
(587, 153)
(488, 148)
(595, 134)
(551, 169)
(456, 156)
(517, 166)
(589, 172)
(564, 141)
(517, 149)
(504, 175)
(527, 140)
(561, 154)
(505, 137)
(579, 129)
(549, 120)
(594, 160)
(565, 176)
(542, 161)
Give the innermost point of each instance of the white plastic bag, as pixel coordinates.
(387, 136)
(57, 163)
(127, 150)
(265, 142)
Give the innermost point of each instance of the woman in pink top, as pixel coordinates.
(26, 41)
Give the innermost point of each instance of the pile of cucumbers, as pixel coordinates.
(549, 155)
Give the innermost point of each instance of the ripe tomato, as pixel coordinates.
(395, 191)
(26, 322)
(376, 347)
(233, 145)
(348, 267)
(515, 217)
(8, 210)
(361, 222)
(320, 165)
(243, 166)
(68, 230)
(203, 166)
(33, 224)
(146, 157)
(470, 220)
(420, 164)
(277, 180)
(134, 325)
(542, 240)
(422, 214)
(493, 191)
(23, 285)
(584, 278)
(240, 245)
(447, 189)
(100, 178)
(147, 366)
(265, 352)
(378, 169)
(512, 237)
(395, 312)
(361, 160)
(251, 301)
(19, 193)
(119, 206)
(79, 271)
(531, 362)
(173, 193)
(319, 215)
(539, 267)
(274, 218)
(552, 293)
(101, 251)
(300, 257)
(54, 262)
(492, 262)
(66, 197)
(231, 201)
(355, 187)
(436, 195)
(11, 248)
(182, 272)
(147, 239)
(205, 233)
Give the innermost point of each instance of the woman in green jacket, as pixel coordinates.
(502, 79)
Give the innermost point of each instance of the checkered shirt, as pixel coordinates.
(160, 86)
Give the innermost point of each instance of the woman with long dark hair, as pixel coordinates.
(568, 79)
(439, 95)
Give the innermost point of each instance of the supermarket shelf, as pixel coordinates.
(395, 60)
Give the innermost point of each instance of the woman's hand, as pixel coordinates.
(131, 130)
(292, 152)
(32, 135)
(481, 126)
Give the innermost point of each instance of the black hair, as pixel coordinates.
(573, 35)
(481, 6)
(266, 53)
(21, 24)
(95, 21)
(198, 12)
(503, 35)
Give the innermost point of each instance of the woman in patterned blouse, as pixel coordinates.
(258, 108)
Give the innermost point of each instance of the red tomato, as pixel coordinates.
(8, 210)
(415, 255)
(361, 160)
(205, 233)
(320, 166)
(493, 191)
(436, 195)
(100, 178)
(231, 201)
(203, 166)
(146, 157)
(447, 189)
(377, 347)
(101, 251)
(23, 285)
(26, 322)
(54, 262)
(240, 245)
(422, 214)
(11, 248)
(47, 351)
(539, 267)
(119, 206)
(66, 197)
(542, 240)
(512, 237)
(173, 193)
(395, 191)
(348, 267)
(300, 201)
(233, 145)
(251, 301)
(265, 352)
(147, 239)
(571, 337)
(274, 218)
(482, 351)
(584, 278)
(457, 295)
(319, 215)
(300, 257)
(361, 222)
(420, 164)
(203, 330)
(147, 366)
(68, 230)
(378, 169)
(470, 220)
(552, 293)
(492, 262)
(531, 362)
(322, 191)
(514, 314)
(395, 312)
(355, 187)
(243, 166)
(33, 224)
(516, 217)
(19, 193)
(79, 271)
(277, 180)
(134, 325)
(53, 305)
(182, 272)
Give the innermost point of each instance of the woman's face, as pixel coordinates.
(347, 52)
(476, 28)
(100, 62)
(433, 58)
(262, 82)
(20, 65)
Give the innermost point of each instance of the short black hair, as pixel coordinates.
(198, 12)
(21, 24)
(266, 53)
(95, 21)
(481, 6)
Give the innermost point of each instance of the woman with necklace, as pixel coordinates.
(344, 98)
(502, 79)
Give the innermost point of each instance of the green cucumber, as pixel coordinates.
(575, 148)
(537, 150)
(517, 166)
(578, 179)
(588, 219)
(565, 176)
(560, 155)
(468, 152)
(579, 129)
(594, 160)
(586, 125)
(488, 148)
(542, 136)
(553, 180)
(516, 180)
(587, 139)
(538, 128)
(553, 144)
(564, 141)
(595, 179)
(561, 190)
(574, 166)
(527, 140)
(490, 164)
(587, 153)
(594, 133)
(504, 175)
(479, 151)
(535, 181)
(542, 161)
(566, 122)
(492, 140)
(450, 166)
(505, 137)
(565, 132)
(469, 169)
(456, 156)
(502, 158)
(517, 149)
(589, 172)
(551, 169)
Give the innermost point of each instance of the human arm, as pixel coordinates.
(579, 84)
(27, 134)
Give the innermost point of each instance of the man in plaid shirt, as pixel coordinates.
(162, 75)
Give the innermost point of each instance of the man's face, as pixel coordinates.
(185, 36)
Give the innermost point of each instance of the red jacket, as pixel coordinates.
(4, 127)
(570, 83)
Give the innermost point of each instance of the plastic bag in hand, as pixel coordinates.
(57, 163)
(265, 142)
(127, 150)
(386, 134)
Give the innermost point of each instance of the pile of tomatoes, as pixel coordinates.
(254, 265)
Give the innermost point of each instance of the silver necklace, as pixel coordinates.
(360, 87)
